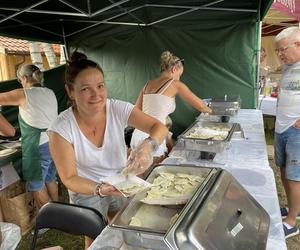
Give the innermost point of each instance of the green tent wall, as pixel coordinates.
(220, 58)
(220, 48)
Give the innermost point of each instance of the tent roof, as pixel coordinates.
(61, 20)
(275, 21)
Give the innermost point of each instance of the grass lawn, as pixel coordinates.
(269, 134)
(269, 125)
(53, 238)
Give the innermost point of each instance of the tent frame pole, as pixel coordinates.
(21, 11)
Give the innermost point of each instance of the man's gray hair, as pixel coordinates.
(291, 33)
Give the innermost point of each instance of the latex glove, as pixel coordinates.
(140, 159)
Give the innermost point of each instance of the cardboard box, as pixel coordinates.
(18, 206)
(8, 176)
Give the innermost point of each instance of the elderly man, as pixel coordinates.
(287, 127)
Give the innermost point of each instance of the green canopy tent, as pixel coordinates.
(219, 40)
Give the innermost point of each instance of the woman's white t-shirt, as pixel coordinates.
(92, 162)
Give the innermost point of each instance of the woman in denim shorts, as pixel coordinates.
(37, 110)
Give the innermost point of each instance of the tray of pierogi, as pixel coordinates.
(155, 209)
(209, 200)
(172, 188)
(207, 136)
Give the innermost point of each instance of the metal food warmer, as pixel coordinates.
(225, 106)
(220, 214)
(189, 140)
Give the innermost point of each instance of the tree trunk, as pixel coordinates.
(35, 55)
(49, 52)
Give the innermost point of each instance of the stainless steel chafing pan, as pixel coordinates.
(225, 106)
(156, 219)
(207, 145)
(221, 214)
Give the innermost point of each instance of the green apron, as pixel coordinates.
(31, 166)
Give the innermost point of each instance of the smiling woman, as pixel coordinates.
(87, 140)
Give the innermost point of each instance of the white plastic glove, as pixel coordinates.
(140, 159)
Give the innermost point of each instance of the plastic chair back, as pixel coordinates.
(69, 218)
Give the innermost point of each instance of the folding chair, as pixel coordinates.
(69, 218)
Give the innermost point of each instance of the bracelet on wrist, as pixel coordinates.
(97, 190)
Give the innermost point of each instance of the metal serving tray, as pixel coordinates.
(221, 214)
(225, 106)
(156, 219)
(206, 145)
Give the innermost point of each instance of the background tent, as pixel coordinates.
(218, 39)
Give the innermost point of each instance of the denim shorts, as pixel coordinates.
(48, 169)
(287, 152)
(103, 205)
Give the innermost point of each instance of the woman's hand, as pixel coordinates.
(140, 159)
(107, 189)
(206, 110)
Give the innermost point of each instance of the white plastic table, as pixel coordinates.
(247, 160)
(267, 105)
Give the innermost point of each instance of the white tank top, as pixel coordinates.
(158, 106)
(40, 110)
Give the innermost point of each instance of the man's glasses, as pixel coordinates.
(283, 49)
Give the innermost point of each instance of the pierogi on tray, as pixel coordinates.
(214, 133)
(169, 188)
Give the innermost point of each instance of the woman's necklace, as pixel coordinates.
(94, 130)
(87, 127)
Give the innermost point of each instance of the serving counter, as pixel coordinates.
(246, 159)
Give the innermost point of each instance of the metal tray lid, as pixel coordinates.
(224, 216)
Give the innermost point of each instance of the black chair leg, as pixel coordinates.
(34, 239)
